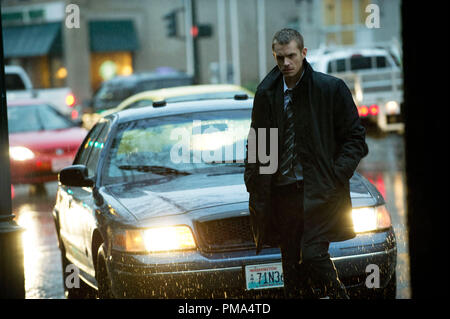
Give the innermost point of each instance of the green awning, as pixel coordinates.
(32, 40)
(112, 35)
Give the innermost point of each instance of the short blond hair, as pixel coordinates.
(286, 35)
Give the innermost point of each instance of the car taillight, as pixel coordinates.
(70, 100)
(363, 111)
(373, 109)
(74, 114)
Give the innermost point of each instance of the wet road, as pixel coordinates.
(384, 167)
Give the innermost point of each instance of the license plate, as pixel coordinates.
(264, 276)
(60, 162)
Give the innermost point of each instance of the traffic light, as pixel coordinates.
(171, 26)
(201, 31)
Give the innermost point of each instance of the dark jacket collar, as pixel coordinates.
(274, 76)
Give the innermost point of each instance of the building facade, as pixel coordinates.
(60, 47)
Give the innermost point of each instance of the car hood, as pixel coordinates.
(55, 138)
(193, 192)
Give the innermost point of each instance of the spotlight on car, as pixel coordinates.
(20, 153)
(155, 239)
(367, 219)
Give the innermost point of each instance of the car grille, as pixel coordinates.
(225, 234)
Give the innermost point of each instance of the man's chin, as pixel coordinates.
(291, 73)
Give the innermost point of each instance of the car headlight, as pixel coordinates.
(392, 107)
(370, 218)
(20, 153)
(155, 239)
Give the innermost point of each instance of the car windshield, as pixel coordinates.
(358, 63)
(210, 143)
(36, 117)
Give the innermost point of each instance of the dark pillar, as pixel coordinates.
(426, 71)
(12, 282)
(195, 43)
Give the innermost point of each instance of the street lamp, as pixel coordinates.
(12, 280)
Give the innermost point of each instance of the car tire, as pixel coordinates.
(102, 275)
(84, 291)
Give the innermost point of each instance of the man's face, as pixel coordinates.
(289, 58)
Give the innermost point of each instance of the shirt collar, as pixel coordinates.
(285, 87)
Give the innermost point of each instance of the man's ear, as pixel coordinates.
(304, 51)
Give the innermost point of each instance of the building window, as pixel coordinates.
(105, 65)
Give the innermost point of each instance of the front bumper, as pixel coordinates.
(41, 169)
(33, 171)
(221, 275)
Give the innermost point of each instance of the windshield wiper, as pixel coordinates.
(160, 170)
(227, 163)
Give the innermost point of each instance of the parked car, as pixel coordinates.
(42, 141)
(155, 206)
(181, 94)
(374, 77)
(19, 87)
(112, 92)
(170, 95)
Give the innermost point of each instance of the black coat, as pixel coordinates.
(330, 144)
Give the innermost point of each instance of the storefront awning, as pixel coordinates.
(112, 35)
(31, 40)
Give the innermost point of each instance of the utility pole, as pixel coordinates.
(222, 35)
(190, 25)
(195, 41)
(261, 13)
(12, 279)
(189, 40)
(234, 18)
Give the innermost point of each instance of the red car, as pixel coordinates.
(42, 141)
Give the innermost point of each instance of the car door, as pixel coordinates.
(84, 200)
(73, 214)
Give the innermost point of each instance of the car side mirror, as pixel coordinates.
(75, 175)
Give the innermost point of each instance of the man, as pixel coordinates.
(306, 204)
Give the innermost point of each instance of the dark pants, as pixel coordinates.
(306, 265)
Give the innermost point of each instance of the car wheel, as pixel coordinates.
(84, 291)
(102, 276)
